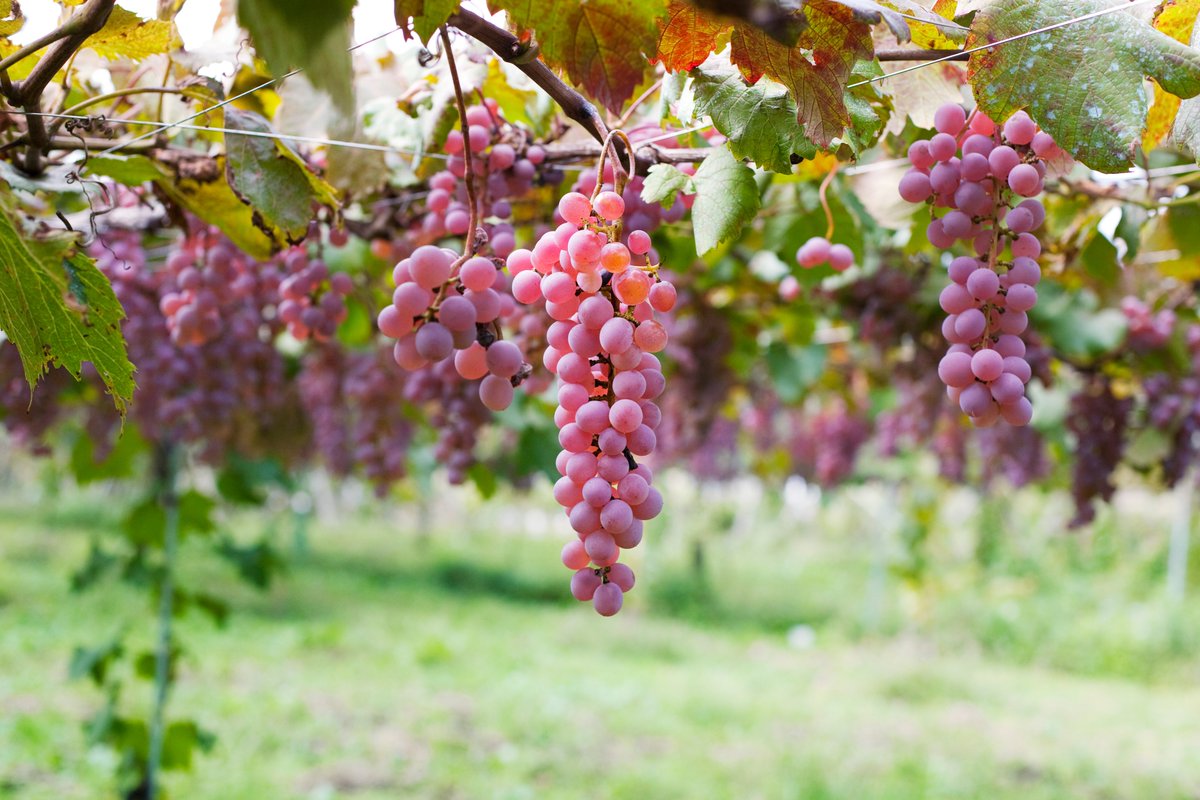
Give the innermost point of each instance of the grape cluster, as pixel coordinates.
(1099, 420)
(978, 170)
(312, 302)
(455, 412)
(206, 273)
(639, 215)
(601, 346)
(505, 168)
(1148, 330)
(818, 250)
(350, 400)
(1172, 406)
(441, 310)
(226, 392)
(824, 446)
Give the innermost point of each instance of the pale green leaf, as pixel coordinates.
(726, 199)
(664, 183)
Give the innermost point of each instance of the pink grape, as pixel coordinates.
(584, 584)
(608, 599)
(495, 392)
(950, 119)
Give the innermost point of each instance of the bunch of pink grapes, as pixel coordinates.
(444, 309)
(602, 295)
(312, 301)
(987, 176)
(206, 273)
(505, 168)
(819, 250)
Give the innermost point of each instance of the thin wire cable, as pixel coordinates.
(1019, 36)
(671, 135)
(383, 148)
(166, 126)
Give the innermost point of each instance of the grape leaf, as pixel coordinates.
(426, 15)
(268, 176)
(758, 120)
(929, 28)
(1082, 83)
(127, 170)
(1176, 18)
(779, 19)
(197, 182)
(816, 71)
(664, 183)
(688, 37)
(126, 35)
(312, 36)
(602, 45)
(11, 18)
(726, 199)
(58, 308)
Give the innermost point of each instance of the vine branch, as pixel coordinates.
(27, 94)
(523, 57)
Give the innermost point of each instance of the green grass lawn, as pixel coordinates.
(388, 665)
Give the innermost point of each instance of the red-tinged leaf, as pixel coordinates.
(689, 36)
(815, 71)
(782, 20)
(603, 46)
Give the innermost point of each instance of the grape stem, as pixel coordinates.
(823, 193)
(468, 156)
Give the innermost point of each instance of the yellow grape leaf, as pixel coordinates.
(126, 35)
(21, 69)
(1176, 18)
(816, 167)
(198, 183)
(11, 18)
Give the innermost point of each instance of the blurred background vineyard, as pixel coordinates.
(885, 640)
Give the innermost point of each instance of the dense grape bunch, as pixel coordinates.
(602, 295)
(987, 176)
(506, 167)
(312, 302)
(1099, 420)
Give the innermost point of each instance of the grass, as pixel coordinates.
(450, 665)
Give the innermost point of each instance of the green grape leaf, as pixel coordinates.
(268, 176)
(1074, 322)
(426, 16)
(58, 308)
(1083, 82)
(127, 170)
(816, 71)
(664, 183)
(602, 45)
(726, 199)
(197, 183)
(758, 120)
(302, 34)
(126, 35)
(794, 370)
